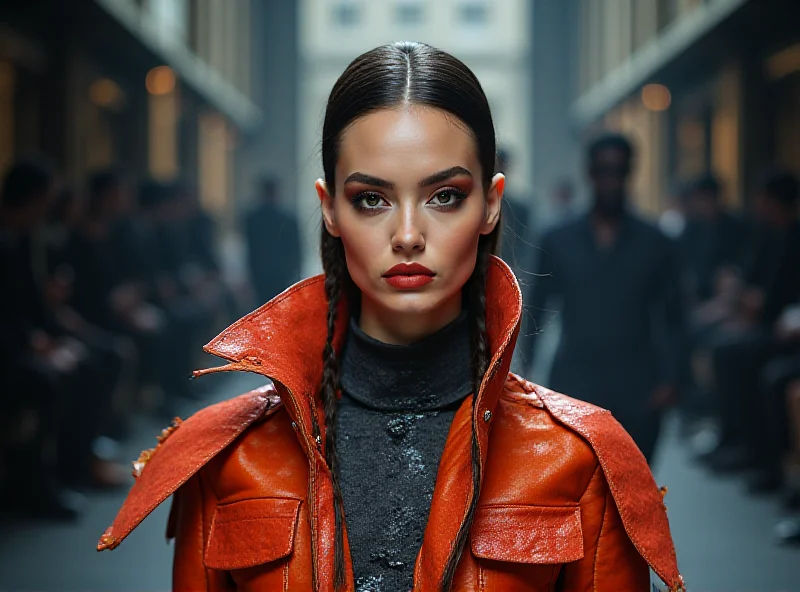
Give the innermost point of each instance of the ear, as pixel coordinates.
(326, 205)
(494, 199)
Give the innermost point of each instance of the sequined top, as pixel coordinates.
(389, 444)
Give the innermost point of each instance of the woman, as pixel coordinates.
(368, 463)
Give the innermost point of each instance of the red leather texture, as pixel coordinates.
(528, 534)
(251, 532)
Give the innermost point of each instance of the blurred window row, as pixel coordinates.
(350, 13)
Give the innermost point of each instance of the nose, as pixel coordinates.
(408, 235)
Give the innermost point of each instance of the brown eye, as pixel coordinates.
(372, 202)
(448, 198)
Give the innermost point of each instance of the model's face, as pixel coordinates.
(409, 189)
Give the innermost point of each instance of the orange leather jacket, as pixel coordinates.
(567, 501)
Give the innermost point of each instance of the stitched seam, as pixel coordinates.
(286, 576)
(522, 506)
(599, 537)
(237, 520)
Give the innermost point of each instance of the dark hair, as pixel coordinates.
(782, 186)
(609, 141)
(25, 182)
(708, 184)
(387, 77)
(100, 183)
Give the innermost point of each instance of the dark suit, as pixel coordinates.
(622, 318)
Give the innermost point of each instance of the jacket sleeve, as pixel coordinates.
(186, 525)
(610, 563)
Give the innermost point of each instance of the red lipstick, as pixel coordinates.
(407, 276)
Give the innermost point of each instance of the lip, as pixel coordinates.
(408, 269)
(408, 276)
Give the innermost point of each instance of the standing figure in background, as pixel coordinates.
(617, 280)
(273, 244)
(518, 251)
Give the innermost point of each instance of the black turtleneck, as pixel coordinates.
(393, 419)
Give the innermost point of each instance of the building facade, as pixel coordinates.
(490, 36)
(158, 88)
(700, 86)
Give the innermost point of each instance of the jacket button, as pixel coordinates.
(294, 426)
(487, 415)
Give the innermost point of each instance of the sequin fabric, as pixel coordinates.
(389, 445)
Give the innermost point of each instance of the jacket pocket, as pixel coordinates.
(523, 547)
(252, 532)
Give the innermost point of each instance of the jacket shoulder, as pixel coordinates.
(637, 497)
(184, 449)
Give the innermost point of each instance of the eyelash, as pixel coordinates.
(458, 194)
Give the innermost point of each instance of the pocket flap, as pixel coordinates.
(251, 532)
(528, 534)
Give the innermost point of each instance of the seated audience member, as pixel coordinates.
(115, 352)
(111, 280)
(710, 246)
(53, 384)
(749, 338)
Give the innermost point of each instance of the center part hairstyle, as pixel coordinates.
(395, 76)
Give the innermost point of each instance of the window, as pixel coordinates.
(473, 13)
(346, 13)
(409, 12)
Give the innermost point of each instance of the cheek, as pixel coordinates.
(456, 247)
(362, 242)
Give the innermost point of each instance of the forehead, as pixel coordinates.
(413, 139)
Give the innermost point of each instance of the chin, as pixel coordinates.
(411, 303)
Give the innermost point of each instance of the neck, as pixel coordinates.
(393, 328)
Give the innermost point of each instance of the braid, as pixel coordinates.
(476, 301)
(333, 263)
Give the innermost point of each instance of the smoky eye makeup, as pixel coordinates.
(447, 199)
(368, 202)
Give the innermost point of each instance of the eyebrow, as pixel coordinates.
(444, 175)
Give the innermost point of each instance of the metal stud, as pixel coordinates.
(319, 440)
(487, 415)
(294, 426)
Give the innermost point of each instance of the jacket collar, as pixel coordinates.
(284, 340)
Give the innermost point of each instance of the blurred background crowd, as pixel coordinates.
(157, 161)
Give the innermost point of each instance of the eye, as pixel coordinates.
(369, 201)
(448, 198)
